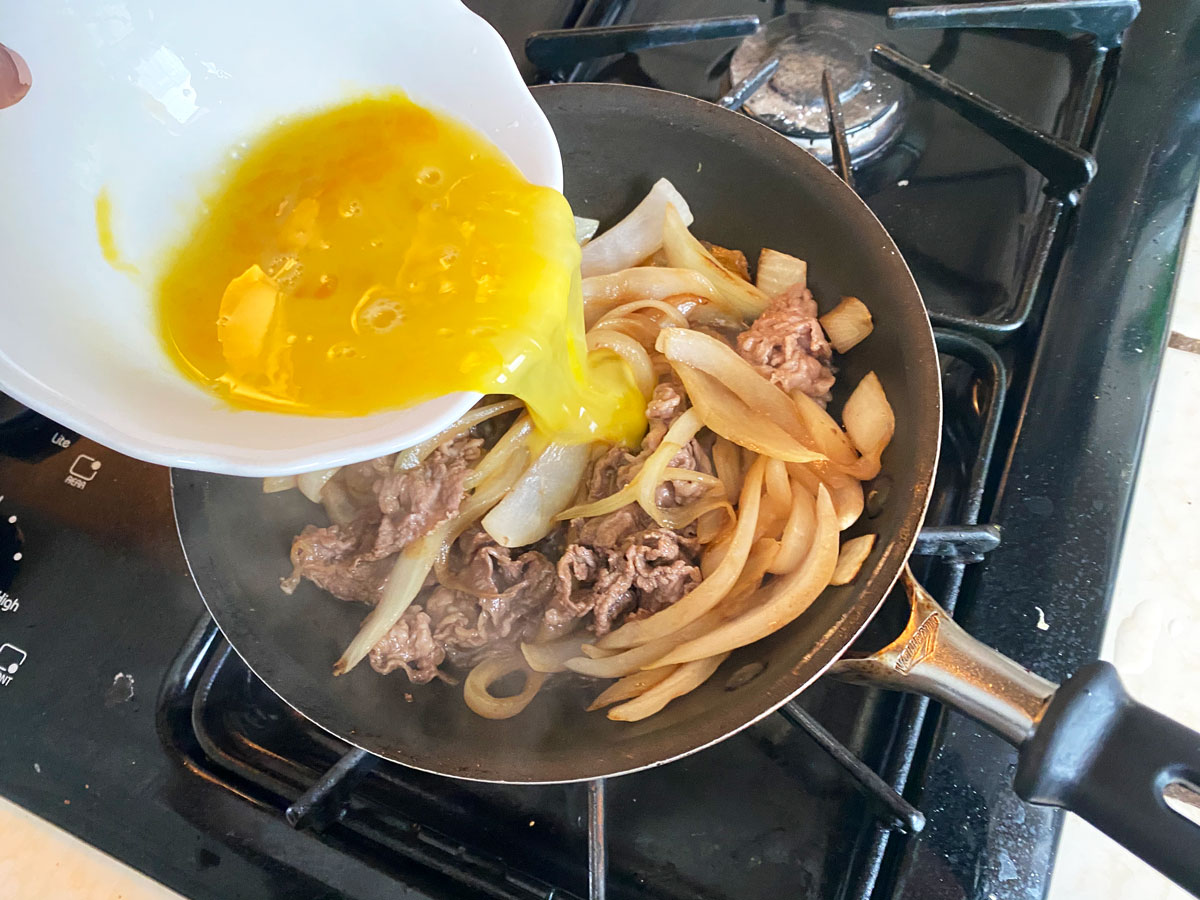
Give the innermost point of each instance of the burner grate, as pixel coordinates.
(886, 141)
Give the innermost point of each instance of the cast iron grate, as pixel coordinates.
(603, 45)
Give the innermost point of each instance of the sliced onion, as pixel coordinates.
(853, 554)
(311, 483)
(736, 295)
(727, 460)
(416, 454)
(273, 484)
(603, 293)
(551, 656)
(772, 517)
(683, 680)
(630, 350)
(781, 602)
(711, 525)
(846, 490)
(585, 228)
(642, 488)
(338, 505)
(759, 399)
(514, 442)
(797, 531)
(827, 435)
(870, 423)
(401, 588)
(779, 488)
(629, 661)
(713, 316)
(847, 324)
(724, 413)
(477, 687)
(591, 651)
(526, 514)
(636, 236)
(777, 272)
(629, 687)
(671, 314)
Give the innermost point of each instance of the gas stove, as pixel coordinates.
(1033, 162)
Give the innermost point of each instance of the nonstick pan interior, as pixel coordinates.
(748, 188)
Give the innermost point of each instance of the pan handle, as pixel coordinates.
(1085, 746)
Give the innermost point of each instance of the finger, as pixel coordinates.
(14, 77)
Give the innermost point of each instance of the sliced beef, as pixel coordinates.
(488, 598)
(667, 404)
(622, 564)
(676, 493)
(612, 529)
(331, 558)
(411, 646)
(493, 602)
(645, 571)
(352, 560)
(415, 501)
(360, 480)
(786, 345)
(611, 472)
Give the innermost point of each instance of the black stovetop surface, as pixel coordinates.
(131, 724)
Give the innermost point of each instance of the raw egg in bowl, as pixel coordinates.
(270, 238)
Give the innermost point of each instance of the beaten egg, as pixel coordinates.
(379, 254)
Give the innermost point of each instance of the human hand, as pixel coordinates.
(14, 77)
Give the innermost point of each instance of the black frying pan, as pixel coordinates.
(748, 188)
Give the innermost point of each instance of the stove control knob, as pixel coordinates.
(30, 436)
(11, 550)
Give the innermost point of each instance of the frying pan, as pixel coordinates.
(1085, 746)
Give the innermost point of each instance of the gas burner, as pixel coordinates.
(873, 103)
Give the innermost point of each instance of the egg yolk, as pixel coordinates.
(379, 254)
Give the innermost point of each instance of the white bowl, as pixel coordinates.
(147, 100)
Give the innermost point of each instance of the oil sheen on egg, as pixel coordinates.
(379, 254)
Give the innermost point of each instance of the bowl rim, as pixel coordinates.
(141, 438)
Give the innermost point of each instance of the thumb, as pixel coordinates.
(14, 77)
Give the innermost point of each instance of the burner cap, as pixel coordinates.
(792, 103)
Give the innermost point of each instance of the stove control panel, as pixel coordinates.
(30, 436)
(12, 550)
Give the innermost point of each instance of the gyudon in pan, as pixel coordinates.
(746, 188)
(492, 555)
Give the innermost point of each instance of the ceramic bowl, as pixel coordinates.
(148, 102)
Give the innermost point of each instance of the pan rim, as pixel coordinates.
(857, 614)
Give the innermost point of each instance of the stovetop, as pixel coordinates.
(129, 721)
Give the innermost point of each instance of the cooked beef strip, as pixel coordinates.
(787, 346)
(666, 405)
(612, 566)
(502, 607)
(331, 559)
(416, 500)
(621, 563)
(411, 646)
(360, 480)
(351, 561)
(642, 571)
